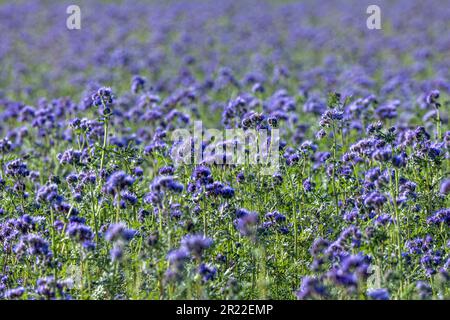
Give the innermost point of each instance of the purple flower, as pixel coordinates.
(227, 192)
(74, 157)
(311, 288)
(48, 194)
(49, 287)
(34, 245)
(196, 244)
(351, 270)
(14, 293)
(137, 84)
(445, 187)
(127, 197)
(378, 294)
(16, 168)
(166, 171)
(116, 253)
(247, 224)
(207, 272)
(308, 185)
(178, 256)
(79, 232)
(424, 290)
(432, 98)
(118, 181)
(166, 183)
(321, 134)
(138, 171)
(103, 96)
(119, 232)
(202, 174)
(176, 259)
(375, 200)
(440, 216)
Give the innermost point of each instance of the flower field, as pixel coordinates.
(100, 198)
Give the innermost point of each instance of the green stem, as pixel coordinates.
(105, 143)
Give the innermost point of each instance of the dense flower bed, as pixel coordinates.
(93, 205)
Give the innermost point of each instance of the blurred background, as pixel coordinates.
(319, 46)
